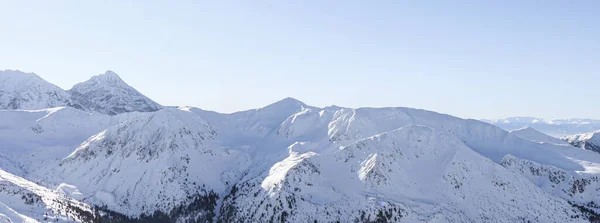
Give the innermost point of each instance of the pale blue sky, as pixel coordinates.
(476, 59)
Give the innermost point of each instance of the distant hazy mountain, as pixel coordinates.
(553, 127)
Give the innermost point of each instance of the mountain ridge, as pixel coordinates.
(553, 127)
(287, 162)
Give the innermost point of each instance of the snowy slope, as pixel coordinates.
(19, 90)
(108, 94)
(589, 141)
(536, 136)
(25, 201)
(152, 164)
(553, 127)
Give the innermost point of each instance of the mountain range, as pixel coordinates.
(103, 152)
(105, 94)
(553, 127)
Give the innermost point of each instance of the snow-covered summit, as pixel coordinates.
(20, 91)
(108, 94)
(285, 103)
(110, 77)
(250, 126)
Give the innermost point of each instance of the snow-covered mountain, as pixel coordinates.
(20, 90)
(105, 94)
(152, 163)
(589, 141)
(285, 162)
(552, 127)
(108, 94)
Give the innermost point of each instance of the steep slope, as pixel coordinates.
(589, 141)
(553, 127)
(410, 174)
(536, 136)
(8, 215)
(25, 201)
(581, 189)
(164, 164)
(19, 90)
(108, 94)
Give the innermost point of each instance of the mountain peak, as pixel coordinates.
(286, 103)
(111, 74)
(109, 77)
(108, 94)
(289, 100)
(17, 74)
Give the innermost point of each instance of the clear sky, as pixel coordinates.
(473, 59)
